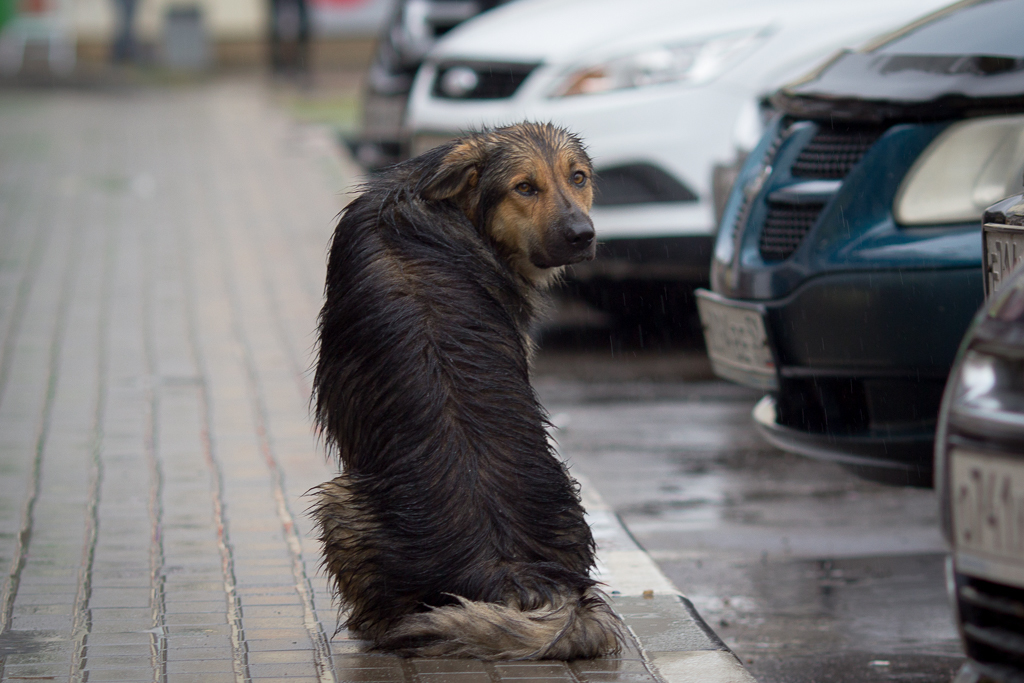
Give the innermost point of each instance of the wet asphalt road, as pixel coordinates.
(808, 573)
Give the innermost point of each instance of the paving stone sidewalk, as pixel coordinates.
(161, 267)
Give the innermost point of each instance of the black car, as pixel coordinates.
(979, 455)
(848, 261)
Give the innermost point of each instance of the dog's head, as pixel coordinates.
(529, 188)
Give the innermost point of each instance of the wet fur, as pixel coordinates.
(454, 529)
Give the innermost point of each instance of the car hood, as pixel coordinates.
(868, 87)
(964, 60)
(571, 31)
(555, 30)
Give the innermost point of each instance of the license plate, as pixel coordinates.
(1004, 249)
(988, 515)
(737, 340)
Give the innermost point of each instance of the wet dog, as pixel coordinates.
(454, 529)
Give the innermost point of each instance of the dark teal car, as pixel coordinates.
(848, 260)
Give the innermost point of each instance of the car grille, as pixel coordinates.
(638, 184)
(785, 227)
(829, 155)
(993, 621)
(832, 153)
(748, 201)
(488, 80)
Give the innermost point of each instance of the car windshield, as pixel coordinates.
(993, 28)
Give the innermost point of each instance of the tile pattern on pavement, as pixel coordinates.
(161, 265)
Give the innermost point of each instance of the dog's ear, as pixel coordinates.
(457, 172)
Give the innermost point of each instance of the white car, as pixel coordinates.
(662, 92)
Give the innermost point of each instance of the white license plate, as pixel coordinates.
(737, 341)
(1004, 249)
(987, 494)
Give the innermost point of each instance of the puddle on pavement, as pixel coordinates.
(774, 611)
(809, 573)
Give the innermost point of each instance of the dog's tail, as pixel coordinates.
(576, 626)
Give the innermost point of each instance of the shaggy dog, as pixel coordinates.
(454, 529)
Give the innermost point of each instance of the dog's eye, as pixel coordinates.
(526, 189)
(579, 178)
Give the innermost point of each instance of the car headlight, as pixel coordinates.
(989, 392)
(969, 166)
(979, 377)
(991, 385)
(690, 62)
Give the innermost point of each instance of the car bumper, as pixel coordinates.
(870, 324)
(858, 362)
(894, 458)
(905, 323)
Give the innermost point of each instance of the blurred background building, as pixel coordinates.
(184, 33)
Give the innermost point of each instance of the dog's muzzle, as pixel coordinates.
(571, 240)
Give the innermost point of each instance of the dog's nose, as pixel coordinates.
(580, 233)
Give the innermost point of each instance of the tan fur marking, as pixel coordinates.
(348, 558)
(519, 223)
